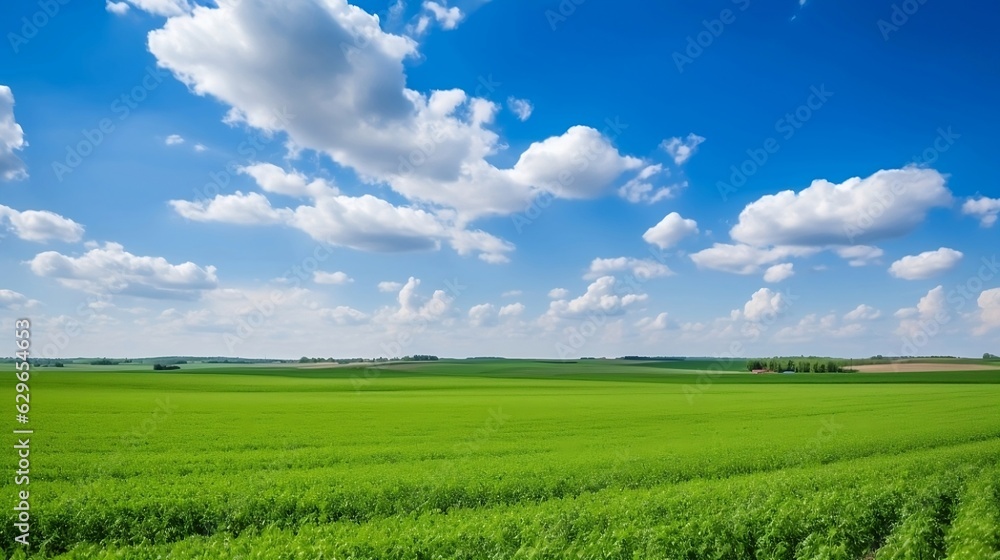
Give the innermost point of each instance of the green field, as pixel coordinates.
(510, 459)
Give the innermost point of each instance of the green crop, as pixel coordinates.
(511, 460)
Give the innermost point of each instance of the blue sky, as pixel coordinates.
(728, 178)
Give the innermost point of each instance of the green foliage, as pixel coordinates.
(511, 460)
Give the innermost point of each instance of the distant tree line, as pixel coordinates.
(988, 356)
(654, 358)
(810, 365)
(413, 358)
(161, 367)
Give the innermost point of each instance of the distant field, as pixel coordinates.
(511, 459)
(925, 366)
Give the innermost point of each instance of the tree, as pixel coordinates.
(988, 356)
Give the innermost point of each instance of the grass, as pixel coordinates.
(511, 459)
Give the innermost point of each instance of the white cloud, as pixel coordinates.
(238, 208)
(640, 188)
(887, 204)
(447, 17)
(415, 308)
(511, 293)
(930, 313)
(520, 107)
(353, 105)
(984, 208)
(482, 315)
(581, 163)
(334, 278)
(643, 269)
(779, 272)
(117, 8)
(558, 293)
(989, 310)
(344, 315)
(110, 269)
(745, 259)
(15, 301)
(200, 148)
(11, 139)
(601, 297)
(671, 229)
(926, 264)
(174, 140)
(389, 287)
(812, 327)
(681, 149)
(860, 255)
(764, 303)
(512, 310)
(40, 225)
(168, 8)
(863, 312)
(659, 323)
(365, 223)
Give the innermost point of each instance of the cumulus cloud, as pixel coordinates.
(641, 189)
(579, 164)
(40, 225)
(643, 269)
(344, 315)
(926, 264)
(174, 140)
(659, 323)
(984, 208)
(681, 149)
(601, 297)
(930, 313)
(11, 139)
(558, 293)
(511, 310)
(482, 315)
(860, 255)
(447, 17)
(365, 223)
(334, 278)
(745, 259)
(111, 269)
(15, 301)
(887, 204)
(814, 327)
(520, 107)
(779, 272)
(671, 229)
(989, 310)
(763, 304)
(389, 287)
(282, 67)
(863, 312)
(415, 308)
(117, 8)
